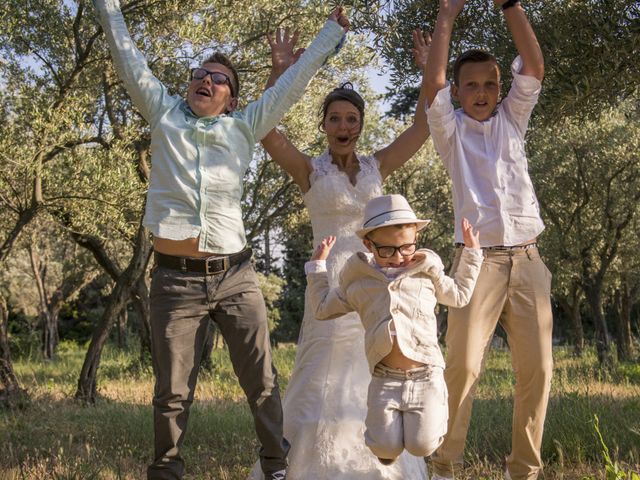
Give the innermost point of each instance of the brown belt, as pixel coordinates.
(503, 248)
(206, 266)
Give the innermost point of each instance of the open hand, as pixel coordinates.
(421, 46)
(322, 251)
(471, 238)
(283, 52)
(338, 15)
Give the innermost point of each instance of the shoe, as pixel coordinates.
(440, 477)
(279, 475)
(386, 461)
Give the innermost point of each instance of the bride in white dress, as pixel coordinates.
(325, 401)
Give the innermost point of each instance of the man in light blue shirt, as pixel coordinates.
(201, 147)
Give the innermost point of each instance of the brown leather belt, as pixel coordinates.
(504, 248)
(206, 266)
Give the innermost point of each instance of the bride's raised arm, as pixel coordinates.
(409, 142)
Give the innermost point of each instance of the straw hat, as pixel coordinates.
(388, 210)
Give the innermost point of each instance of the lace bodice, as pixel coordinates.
(336, 206)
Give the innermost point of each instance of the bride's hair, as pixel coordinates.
(346, 93)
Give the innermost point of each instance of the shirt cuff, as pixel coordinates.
(315, 266)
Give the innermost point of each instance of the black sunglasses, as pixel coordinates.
(218, 78)
(386, 251)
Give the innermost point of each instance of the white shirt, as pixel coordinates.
(487, 164)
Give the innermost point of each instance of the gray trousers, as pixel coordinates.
(182, 305)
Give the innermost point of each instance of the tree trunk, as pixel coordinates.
(571, 307)
(11, 394)
(87, 388)
(267, 249)
(603, 348)
(122, 327)
(624, 339)
(140, 301)
(50, 337)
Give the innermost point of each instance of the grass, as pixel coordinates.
(59, 438)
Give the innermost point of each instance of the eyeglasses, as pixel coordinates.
(218, 78)
(385, 251)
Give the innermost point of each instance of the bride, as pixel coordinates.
(325, 401)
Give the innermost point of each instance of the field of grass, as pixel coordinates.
(57, 437)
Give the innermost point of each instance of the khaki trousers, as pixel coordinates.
(513, 288)
(182, 306)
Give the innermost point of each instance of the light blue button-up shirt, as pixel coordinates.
(199, 162)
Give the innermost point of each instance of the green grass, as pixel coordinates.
(57, 437)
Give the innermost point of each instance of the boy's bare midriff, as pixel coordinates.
(396, 359)
(180, 248)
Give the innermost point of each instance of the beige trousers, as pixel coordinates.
(406, 410)
(513, 288)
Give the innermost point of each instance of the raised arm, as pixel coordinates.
(409, 142)
(284, 153)
(524, 39)
(265, 113)
(146, 91)
(456, 292)
(327, 303)
(436, 75)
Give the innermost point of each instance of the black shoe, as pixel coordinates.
(386, 461)
(279, 475)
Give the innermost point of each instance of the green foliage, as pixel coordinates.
(587, 179)
(612, 469)
(271, 286)
(580, 39)
(297, 241)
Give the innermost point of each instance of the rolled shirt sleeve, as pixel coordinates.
(522, 97)
(442, 123)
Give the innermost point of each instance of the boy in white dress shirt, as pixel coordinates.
(394, 289)
(482, 147)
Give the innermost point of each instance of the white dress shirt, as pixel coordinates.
(487, 164)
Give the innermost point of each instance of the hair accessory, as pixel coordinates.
(345, 86)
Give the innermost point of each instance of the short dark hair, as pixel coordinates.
(346, 93)
(470, 56)
(222, 59)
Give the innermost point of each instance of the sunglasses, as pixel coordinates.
(388, 251)
(218, 78)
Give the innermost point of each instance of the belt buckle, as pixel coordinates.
(225, 265)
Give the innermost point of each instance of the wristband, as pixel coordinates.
(509, 4)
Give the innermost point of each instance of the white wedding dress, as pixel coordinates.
(326, 400)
